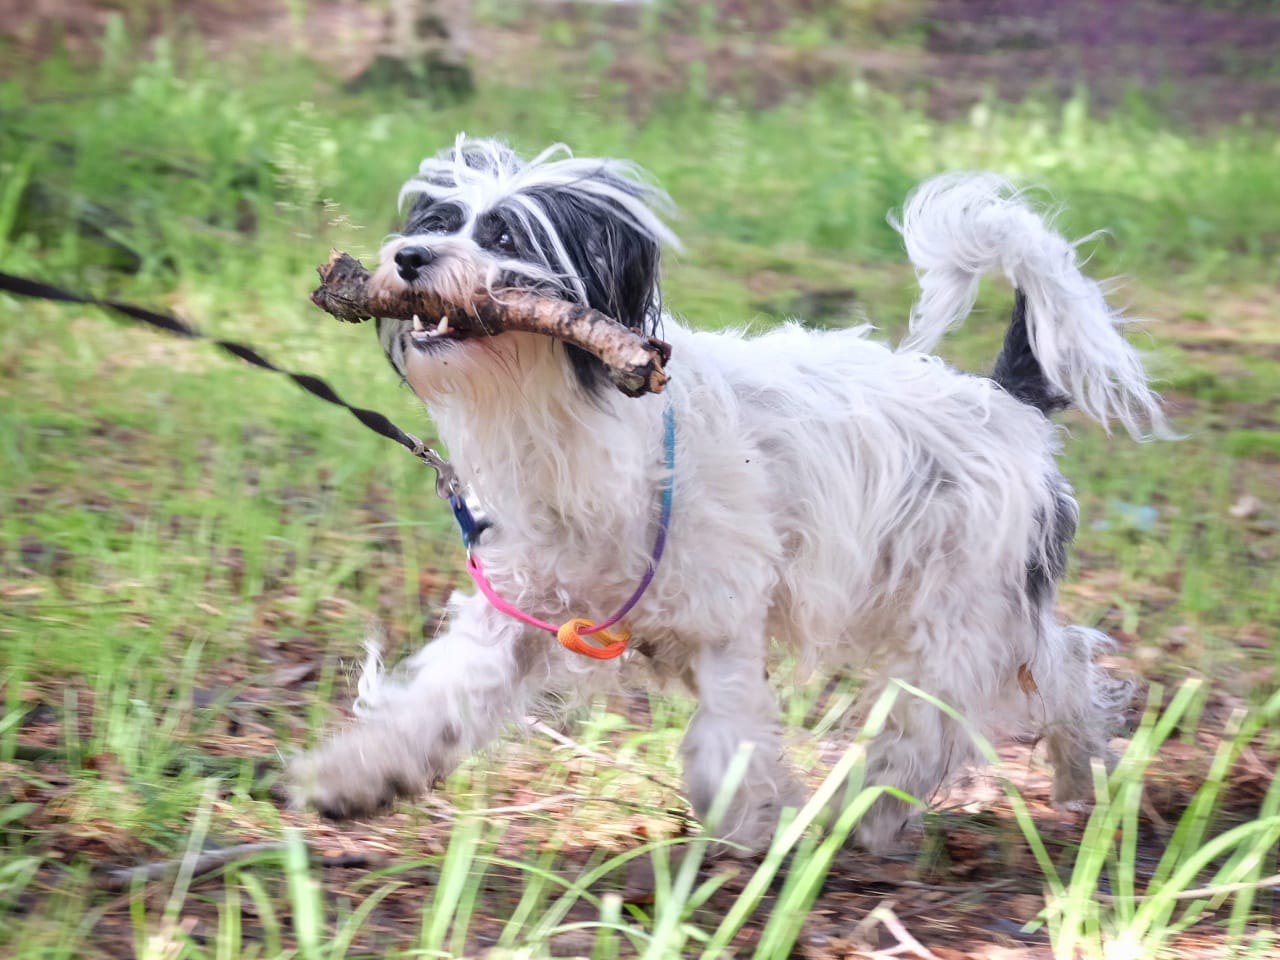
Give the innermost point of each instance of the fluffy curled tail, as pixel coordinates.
(960, 227)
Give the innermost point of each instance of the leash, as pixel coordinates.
(573, 633)
(449, 488)
(447, 485)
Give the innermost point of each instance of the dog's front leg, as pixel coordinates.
(736, 707)
(420, 721)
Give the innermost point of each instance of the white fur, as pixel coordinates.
(958, 228)
(481, 174)
(857, 504)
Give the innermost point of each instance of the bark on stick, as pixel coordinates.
(635, 362)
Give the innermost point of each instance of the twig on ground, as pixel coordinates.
(449, 812)
(546, 803)
(885, 917)
(959, 894)
(207, 861)
(124, 877)
(537, 726)
(1199, 893)
(635, 363)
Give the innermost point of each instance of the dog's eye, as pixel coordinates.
(505, 242)
(435, 218)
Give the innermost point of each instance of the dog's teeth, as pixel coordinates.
(443, 325)
(418, 325)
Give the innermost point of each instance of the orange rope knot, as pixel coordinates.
(615, 641)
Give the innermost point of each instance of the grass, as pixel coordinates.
(190, 550)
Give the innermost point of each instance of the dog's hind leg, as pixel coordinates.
(737, 707)
(953, 658)
(1080, 704)
(421, 720)
(915, 753)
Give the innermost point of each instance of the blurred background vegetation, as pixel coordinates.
(190, 550)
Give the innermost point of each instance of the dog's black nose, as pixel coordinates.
(409, 260)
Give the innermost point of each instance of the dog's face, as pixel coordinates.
(480, 218)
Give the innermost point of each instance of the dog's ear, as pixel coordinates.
(622, 264)
(615, 258)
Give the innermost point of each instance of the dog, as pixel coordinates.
(850, 502)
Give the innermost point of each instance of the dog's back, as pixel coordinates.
(889, 478)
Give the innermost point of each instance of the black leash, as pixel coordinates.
(447, 484)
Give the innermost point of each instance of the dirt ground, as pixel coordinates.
(969, 891)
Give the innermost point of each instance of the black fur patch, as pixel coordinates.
(618, 266)
(1049, 563)
(1018, 371)
(428, 217)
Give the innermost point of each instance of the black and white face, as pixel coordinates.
(480, 218)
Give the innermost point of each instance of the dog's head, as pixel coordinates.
(480, 218)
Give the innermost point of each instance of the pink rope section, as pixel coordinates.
(482, 583)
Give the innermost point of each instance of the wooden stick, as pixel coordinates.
(1198, 893)
(635, 363)
(123, 878)
(539, 726)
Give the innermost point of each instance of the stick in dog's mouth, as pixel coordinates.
(636, 363)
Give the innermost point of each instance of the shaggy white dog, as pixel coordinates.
(855, 503)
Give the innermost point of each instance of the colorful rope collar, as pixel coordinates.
(573, 633)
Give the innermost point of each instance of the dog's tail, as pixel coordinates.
(1064, 345)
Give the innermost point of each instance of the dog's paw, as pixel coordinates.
(890, 828)
(1073, 789)
(1076, 805)
(338, 790)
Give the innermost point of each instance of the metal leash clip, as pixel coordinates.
(448, 485)
(471, 522)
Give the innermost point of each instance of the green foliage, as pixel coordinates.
(1252, 443)
(167, 165)
(1144, 913)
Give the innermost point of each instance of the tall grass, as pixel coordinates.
(1101, 903)
(1200, 872)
